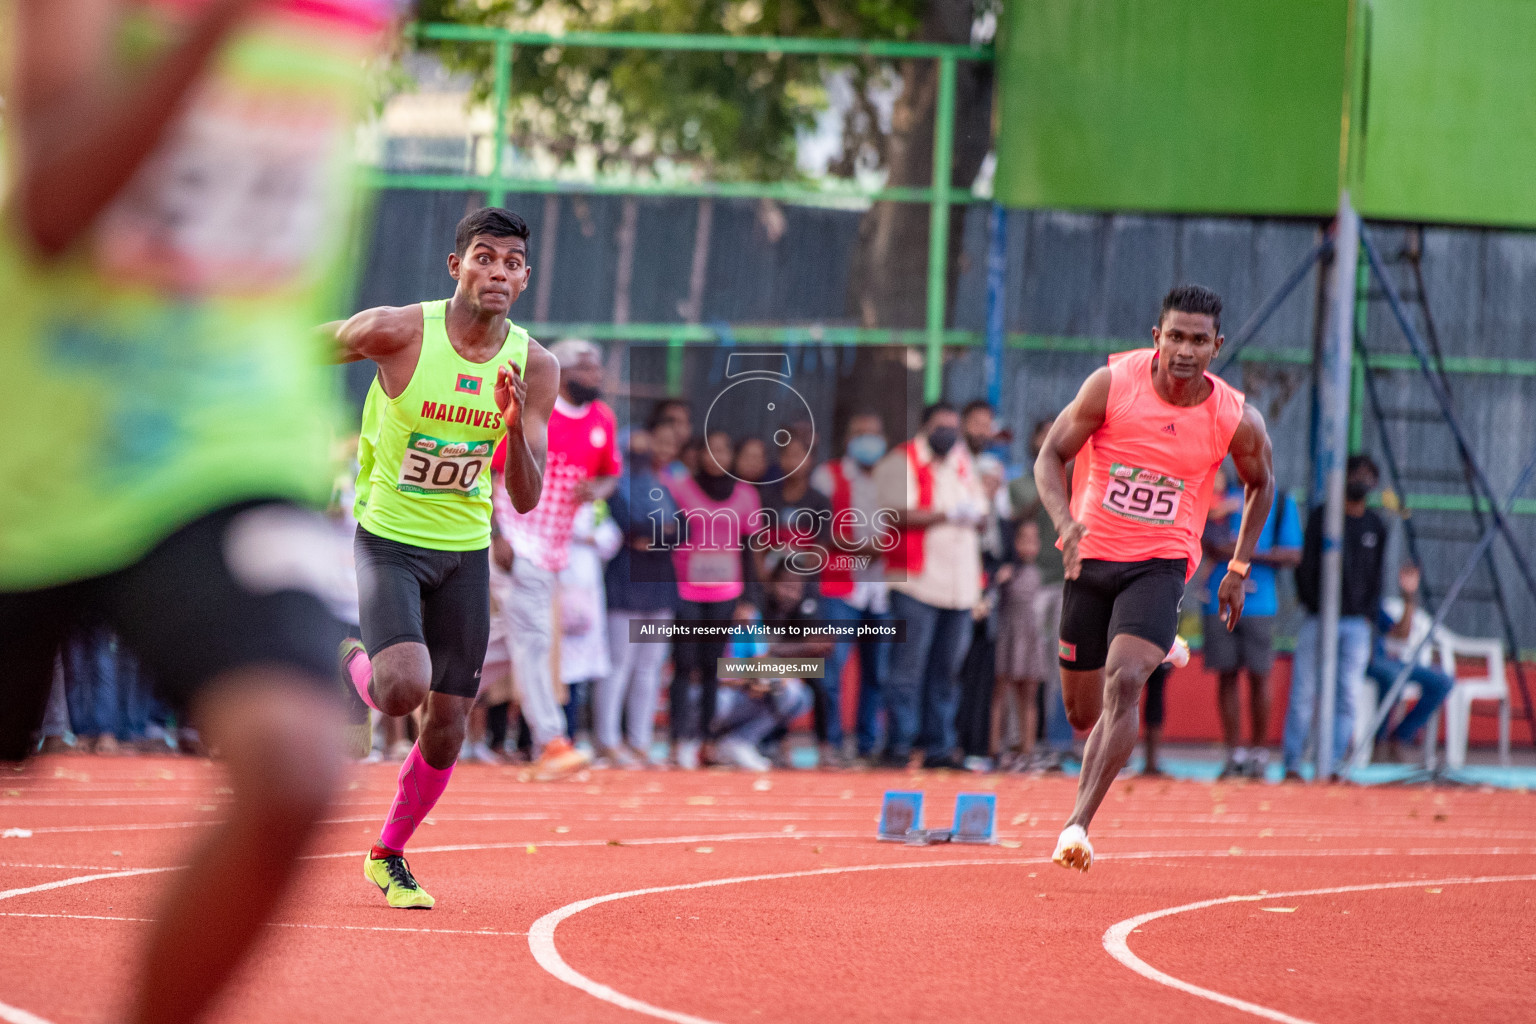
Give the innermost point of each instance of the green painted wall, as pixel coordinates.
(1201, 106)
(1449, 130)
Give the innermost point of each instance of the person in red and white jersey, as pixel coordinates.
(583, 466)
(1149, 432)
(853, 587)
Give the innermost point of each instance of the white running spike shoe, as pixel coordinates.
(1179, 653)
(1073, 850)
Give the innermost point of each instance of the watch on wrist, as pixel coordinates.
(1240, 567)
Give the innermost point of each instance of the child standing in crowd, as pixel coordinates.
(1021, 648)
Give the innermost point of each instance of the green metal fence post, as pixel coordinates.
(938, 229)
(503, 95)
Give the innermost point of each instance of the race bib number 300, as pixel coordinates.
(434, 466)
(1143, 495)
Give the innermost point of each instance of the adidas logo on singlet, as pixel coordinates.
(1169, 430)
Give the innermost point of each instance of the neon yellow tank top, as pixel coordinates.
(167, 365)
(427, 477)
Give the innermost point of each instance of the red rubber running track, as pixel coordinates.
(723, 897)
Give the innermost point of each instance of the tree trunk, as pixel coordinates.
(888, 279)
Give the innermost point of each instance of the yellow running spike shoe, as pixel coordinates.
(393, 876)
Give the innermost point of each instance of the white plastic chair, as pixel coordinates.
(1491, 685)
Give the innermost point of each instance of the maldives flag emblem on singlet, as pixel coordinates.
(468, 384)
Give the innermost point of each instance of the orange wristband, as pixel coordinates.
(1240, 567)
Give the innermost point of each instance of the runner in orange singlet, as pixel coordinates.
(1148, 432)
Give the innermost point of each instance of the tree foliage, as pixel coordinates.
(723, 116)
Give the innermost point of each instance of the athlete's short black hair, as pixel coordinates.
(930, 411)
(488, 220)
(1192, 298)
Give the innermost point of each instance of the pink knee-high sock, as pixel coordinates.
(360, 671)
(420, 786)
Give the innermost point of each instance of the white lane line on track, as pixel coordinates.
(1117, 936)
(282, 924)
(55, 829)
(61, 867)
(541, 936)
(14, 1014)
(656, 841)
(64, 883)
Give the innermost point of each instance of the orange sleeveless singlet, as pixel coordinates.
(1143, 481)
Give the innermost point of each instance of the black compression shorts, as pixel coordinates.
(215, 596)
(421, 595)
(1110, 598)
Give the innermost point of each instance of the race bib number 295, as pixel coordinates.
(434, 466)
(1143, 495)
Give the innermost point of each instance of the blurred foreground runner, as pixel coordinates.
(179, 188)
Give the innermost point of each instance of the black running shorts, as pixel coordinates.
(230, 590)
(1110, 598)
(421, 595)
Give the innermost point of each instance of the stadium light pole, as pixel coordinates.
(1333, 451)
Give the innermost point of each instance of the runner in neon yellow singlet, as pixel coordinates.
(178, 182)
(454, 377)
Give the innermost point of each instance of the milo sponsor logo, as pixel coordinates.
(451, 451)
(426, 444)
(483, 448)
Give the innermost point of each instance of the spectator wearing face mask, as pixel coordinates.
(853, 587)
(1365, 537)
(932, 490)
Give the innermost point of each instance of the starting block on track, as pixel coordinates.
(901, 820)
(900, 812)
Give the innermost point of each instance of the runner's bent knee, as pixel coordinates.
(402, 674)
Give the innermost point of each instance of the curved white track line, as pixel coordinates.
(541, 936)
(64, 883)
(15, 1014)
(1115, 939)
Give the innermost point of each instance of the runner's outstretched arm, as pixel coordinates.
(82, 129)
(525, 405)
(1254, 458)
(1066, 438)
(389, 335)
